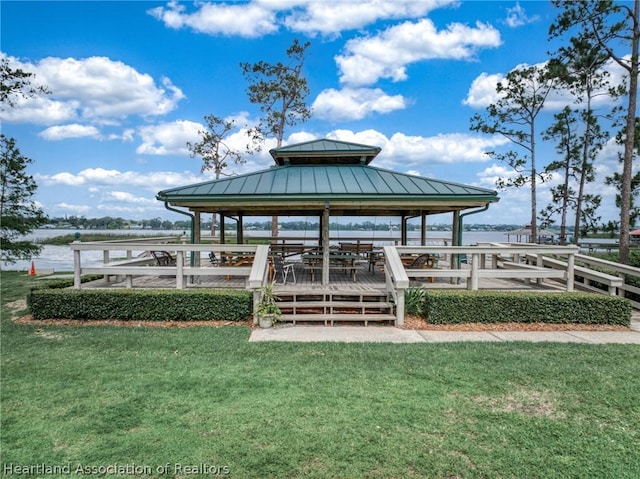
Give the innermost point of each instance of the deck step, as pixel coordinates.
(331, 318)
(330, 305)
(281, 291)
(335, 304)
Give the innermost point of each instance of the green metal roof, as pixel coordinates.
(324, 152)
(344, 180)
(315, 174)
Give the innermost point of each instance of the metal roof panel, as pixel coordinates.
(298, 180)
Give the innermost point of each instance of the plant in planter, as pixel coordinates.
(268, 311)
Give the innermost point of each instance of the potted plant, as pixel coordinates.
(268, 311)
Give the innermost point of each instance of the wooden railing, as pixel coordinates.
(528, 262)
(484, 260)
(188, 258)
(602, 276)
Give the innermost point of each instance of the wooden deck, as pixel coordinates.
(339, 281)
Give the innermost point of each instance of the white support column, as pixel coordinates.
(539, 264)
(77, 277)
(400, 308)
(474, 280)
(194, 257)
(571, 260)
(105, 261)
(180, 269)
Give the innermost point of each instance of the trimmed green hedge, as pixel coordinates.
(142, 305)
(453, 307)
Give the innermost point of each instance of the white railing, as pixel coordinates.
(613, 276)
(396, 280)
(483, 262)
(188, 261)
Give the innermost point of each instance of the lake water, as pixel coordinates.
(60, 258)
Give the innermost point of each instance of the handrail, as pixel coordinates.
(180, 270)
(259, 270)
(150, 239)
(477, 262)
(396, 280)
(618, 267)
(482, 249)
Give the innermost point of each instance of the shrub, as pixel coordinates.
(414, 301)
(142, 305)
(451, 307)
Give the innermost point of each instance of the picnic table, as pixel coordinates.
(338, 260)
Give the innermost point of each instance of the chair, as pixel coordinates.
(422, 261)
(213, 259)
(283, 269)
(163, 258)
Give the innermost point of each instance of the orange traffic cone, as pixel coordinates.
(33, 269)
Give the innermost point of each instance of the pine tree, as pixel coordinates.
(19, 214)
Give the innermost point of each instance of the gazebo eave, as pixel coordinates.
(284, 206)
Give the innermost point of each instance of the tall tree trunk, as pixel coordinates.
(625, 189)
(583, 181)
(534, 181)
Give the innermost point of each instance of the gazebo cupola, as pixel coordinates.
(324, 152)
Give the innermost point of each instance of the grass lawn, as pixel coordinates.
(204, 397)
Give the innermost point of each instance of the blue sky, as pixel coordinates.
(131, 83)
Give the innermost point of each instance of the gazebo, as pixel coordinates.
(525, 232)
(327, 178)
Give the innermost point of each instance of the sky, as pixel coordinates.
(131, 83)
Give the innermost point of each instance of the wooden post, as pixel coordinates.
(474, 280)
(180, 269)
(571, 261)
(423, 230)
(77, 277)
(403, 230)
(455, 239)
(325, 245)
(239, 230)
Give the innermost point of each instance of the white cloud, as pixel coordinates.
(39, 110)
(126, 135)
(482, 91)
(402, 151)
(517, 17)
(94, 89)
(368, 59)
(490, 175)
(331, 18)
(63, 178)
(64, 132)
(97, 178)
(355, 103)
(365, 137)
(75, 209)
(249, 20)
(168, 138)
(450, 148)
(124, 196)
(171, 139)
(262, 17)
